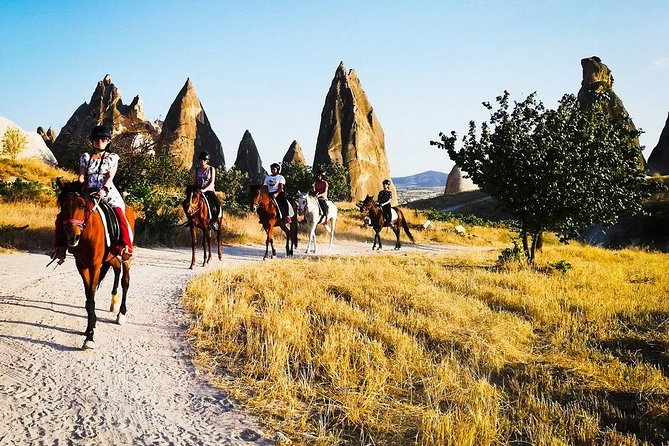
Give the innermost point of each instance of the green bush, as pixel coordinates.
(233, 183)
(21, 190)
(13, 143)
(511, 256)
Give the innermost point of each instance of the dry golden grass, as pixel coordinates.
(445, 350)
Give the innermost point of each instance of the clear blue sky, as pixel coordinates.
(426, 66)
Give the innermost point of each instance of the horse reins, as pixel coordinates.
(80, 223)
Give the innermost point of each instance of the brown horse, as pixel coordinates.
(263, 204)
(197, 213)
(84, 231)
(378, 222)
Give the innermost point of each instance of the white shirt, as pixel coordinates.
(96, 170)
(272, 182)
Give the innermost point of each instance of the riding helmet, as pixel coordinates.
(277, 165)
(386, 182)
(100, 131)
(204, 155)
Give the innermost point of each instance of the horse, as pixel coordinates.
(268, 213)
(84, 231)
(375, 214)
(308, 206)
(197, 213)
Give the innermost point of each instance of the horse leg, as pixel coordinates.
(206, 242)
(331, 229)
(396, 230)
(271, 241)
(125, 284)
(91, 278)
(377, 237)
(193, 239)
(267, 241)
(289, 242)
(117, 274)
(218, 238)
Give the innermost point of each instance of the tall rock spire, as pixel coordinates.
(658, 161)
(350, 134)
(597, 78)
(294, 154)
(187, 131)
(105, 107)
(248, 159)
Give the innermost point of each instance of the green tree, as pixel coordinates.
(13, 143)
(298, 178)
(337, 179)
(233, 183)
(556, 170)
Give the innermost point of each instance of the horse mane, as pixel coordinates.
(71, 187)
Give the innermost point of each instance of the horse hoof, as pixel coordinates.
(88, 345)
(121, 319)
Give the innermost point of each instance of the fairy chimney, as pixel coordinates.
(186, 130)
(248, 159)
(456, 182)
(294, 154)
(658, 161)
(350, 134)
(105, 107)
(597, 78)
(48, 136)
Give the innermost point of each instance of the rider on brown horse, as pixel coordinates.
(275, 185)
(96, 172)
(204, 180)
(384, 199)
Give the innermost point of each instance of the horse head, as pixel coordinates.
(75, 210)
(366, 204)
(256, 197)
(193, 201)
(301, 202)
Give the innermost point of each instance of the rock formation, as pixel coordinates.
(350, 134)
(105, 107)
(658, 161)
(36, 147)
(248, 159)
(294, 154)
(187, 131)
(49, 136)
(456, 182)
(597, 78)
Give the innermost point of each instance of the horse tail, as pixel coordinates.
(405, 225)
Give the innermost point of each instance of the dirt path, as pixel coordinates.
(139, 386)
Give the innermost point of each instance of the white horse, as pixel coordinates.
(308, 205)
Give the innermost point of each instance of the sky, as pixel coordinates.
(266, 66)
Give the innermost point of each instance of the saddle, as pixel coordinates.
(110, 223)
(393, 217)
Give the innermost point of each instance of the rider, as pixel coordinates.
(320, 188)
(384, 198)
(275, 185)
(97, 170)
(204, 179)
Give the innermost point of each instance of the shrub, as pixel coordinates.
(21, 190)
(13, 143)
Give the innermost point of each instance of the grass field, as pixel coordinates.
(445, 350)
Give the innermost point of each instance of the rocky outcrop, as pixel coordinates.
(597, 78)
(49, 136)
(456, 182)
(658, 161)
(187, 131)
(294, 154)
(248, 159)
(350, 134)
(36, 147)
(107, 108)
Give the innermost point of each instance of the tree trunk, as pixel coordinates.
(526, 249)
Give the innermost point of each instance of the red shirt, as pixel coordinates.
(320, 186)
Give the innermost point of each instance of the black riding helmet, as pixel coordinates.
(204, 155)
(386, 182)
(277, 165)
(100, 131)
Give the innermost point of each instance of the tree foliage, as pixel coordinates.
(13, 143)
(559, 170)
(233, 184)
(299, 178)
(337, 179)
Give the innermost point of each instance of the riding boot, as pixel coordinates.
(125, 247)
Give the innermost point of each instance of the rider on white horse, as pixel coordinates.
(320, 188)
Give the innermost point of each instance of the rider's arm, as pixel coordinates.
(211, 178)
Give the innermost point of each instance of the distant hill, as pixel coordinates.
(430, 178)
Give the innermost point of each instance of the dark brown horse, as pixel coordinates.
(84, 231)
(378, 221)
(263, 204)
(197, 213)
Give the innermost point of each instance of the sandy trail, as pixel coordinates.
(139, 386)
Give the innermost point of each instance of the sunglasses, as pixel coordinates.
(99, 138)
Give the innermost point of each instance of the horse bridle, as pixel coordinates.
(87, 214)
(190, 202)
